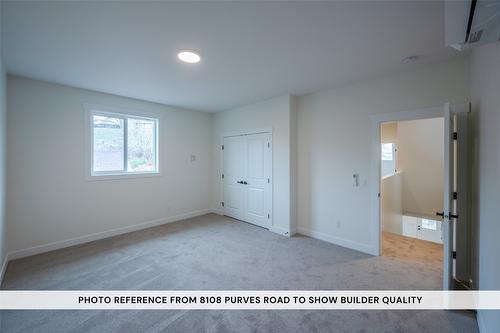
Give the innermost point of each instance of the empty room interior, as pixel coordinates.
(249, 146)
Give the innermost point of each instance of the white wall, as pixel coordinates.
(334, 133)
(3, 111)
(485, 90)
(49, 199)
(420, 157)
(391, 203)
(278, 114)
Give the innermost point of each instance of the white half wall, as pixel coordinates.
(420, 157)
(49, 199)
(485, 90)
(334, 142)
(278, 114)
(391, 203)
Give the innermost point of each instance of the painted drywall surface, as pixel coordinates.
(334, 133)
(485, 83)
(275, 114)
(420, 157)
(293, 163)
(3, 108)
(48, 196)
(391, 204)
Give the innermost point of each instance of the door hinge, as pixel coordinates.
(454, 254)
(222, 147)
(268, 216)
(222, 176)
(455, 136)
(455, 195)
(222, 203)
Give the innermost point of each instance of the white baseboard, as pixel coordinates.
(4, 268)
(101, 235)
(280, 230)
(217, 211)
(335, 240)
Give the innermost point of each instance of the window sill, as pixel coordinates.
(122, 176)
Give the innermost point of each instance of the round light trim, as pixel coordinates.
(189, 57)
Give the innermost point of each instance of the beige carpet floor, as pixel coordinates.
(412, 250)
(214, 252)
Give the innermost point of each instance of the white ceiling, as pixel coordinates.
(250, 50)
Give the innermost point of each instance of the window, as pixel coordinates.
(387, 152)
(123, 144)
(388, 157)
(429, 224)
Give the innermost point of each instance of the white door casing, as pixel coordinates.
(247, 169)
(448, 199)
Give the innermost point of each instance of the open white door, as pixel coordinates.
(448, 209)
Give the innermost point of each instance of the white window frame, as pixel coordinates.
(96, 110)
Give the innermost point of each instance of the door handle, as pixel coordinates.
(449, 216)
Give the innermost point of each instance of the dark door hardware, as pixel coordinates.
(448, 216)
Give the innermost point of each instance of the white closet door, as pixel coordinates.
(247, 172)
(257, 179)
(234, 169)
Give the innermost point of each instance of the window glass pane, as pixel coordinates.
(141, 145)
(108, 143)
(429, 224)
(387, 152)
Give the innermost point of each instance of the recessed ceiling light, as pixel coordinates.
(410, 59)
(189, 57)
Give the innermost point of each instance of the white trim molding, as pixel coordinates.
(101, 235)
(365, 248)
(280, 231)
(4, 268)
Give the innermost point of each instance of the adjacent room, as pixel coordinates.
(249, 146)
(411, 191)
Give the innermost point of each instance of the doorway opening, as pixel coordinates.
(451, 224)
(411, 191)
